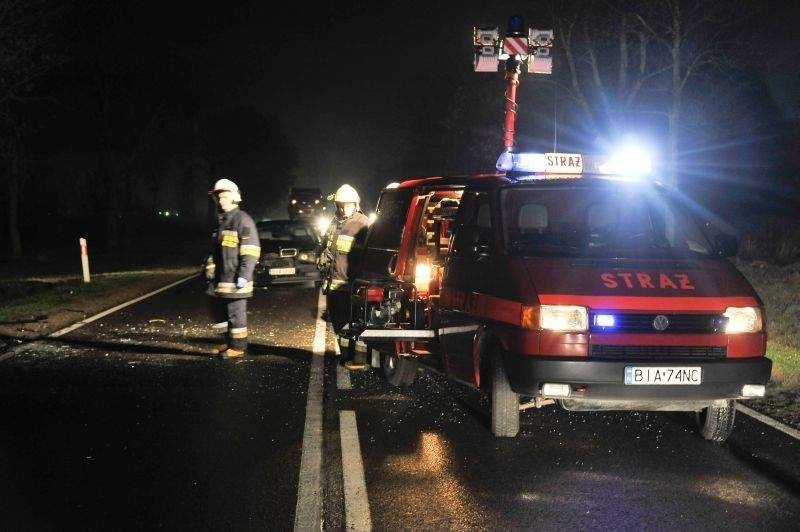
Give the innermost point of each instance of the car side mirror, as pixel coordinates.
(726, 245)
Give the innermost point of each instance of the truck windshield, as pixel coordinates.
(606, 221)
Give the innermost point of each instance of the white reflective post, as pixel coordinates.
(84, 260)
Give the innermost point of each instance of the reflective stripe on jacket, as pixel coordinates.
(344, 242)
(236, 249)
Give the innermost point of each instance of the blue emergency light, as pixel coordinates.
(515, 24)
(627, 163)
(604, 320)
(521, 162)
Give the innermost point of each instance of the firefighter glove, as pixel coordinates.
(241, 282)
(324, 261)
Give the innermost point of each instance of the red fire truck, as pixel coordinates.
(560, 279)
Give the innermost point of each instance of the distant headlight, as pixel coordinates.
(743, 320)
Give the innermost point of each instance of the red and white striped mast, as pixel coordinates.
(517, 50)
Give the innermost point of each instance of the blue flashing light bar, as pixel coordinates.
(604, 320)
(627, 164)
(521, 162)
(629, 161)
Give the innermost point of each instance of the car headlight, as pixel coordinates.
(566, 318)
(306, 256)
(743, 320)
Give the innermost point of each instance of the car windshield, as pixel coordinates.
(606, 221)
(286, 231)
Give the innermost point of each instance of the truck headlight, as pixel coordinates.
(564, 318)
(743, 320)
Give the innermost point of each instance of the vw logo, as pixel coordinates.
(660, 323)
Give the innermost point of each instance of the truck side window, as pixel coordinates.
(475, 228)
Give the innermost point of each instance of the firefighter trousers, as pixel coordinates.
(230, 320)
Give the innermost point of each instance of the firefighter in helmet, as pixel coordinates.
(229, 269)
(340, 257)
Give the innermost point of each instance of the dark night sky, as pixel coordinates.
(336, 75)
(342, 77)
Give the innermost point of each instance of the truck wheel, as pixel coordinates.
(715, 423)
(399, 371)
(505, 402)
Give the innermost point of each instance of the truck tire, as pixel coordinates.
(504, 401)
(399, 371)
(715, 423)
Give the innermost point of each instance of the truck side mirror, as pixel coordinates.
(726, 245)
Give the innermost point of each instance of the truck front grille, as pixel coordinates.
(657, 351)
(678, 323)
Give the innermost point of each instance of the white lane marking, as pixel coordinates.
(308, 512)
(775, 424)
(356, 502)
(118, 307)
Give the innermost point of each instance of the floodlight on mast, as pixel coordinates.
(518, 51)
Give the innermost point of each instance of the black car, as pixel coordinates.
(288, 253)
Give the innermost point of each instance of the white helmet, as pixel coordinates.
(230, 186)
(345, 194)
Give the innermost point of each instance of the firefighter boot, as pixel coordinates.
(352, 365)
(232, 352)
(358, 362)
(218, 349)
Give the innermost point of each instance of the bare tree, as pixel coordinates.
(24, 60)
(628, 59)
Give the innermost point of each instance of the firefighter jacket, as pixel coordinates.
(235, 251)
(344, 244)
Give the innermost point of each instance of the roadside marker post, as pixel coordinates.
(84, 260)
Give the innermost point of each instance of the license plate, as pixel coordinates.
(281, 271)
(638, 375)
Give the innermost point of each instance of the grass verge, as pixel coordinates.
(779, 289)
(36, 307)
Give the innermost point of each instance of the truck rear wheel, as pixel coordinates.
(504, 401)
(715, 423)
(399, 371)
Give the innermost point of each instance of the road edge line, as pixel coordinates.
(356, 501)
(308, 510)
(105, 313)
(774, 423)
(16, 349)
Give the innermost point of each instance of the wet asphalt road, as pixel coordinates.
(126, 424)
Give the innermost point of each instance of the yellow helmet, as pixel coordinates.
(228, 185)
(345, 194)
